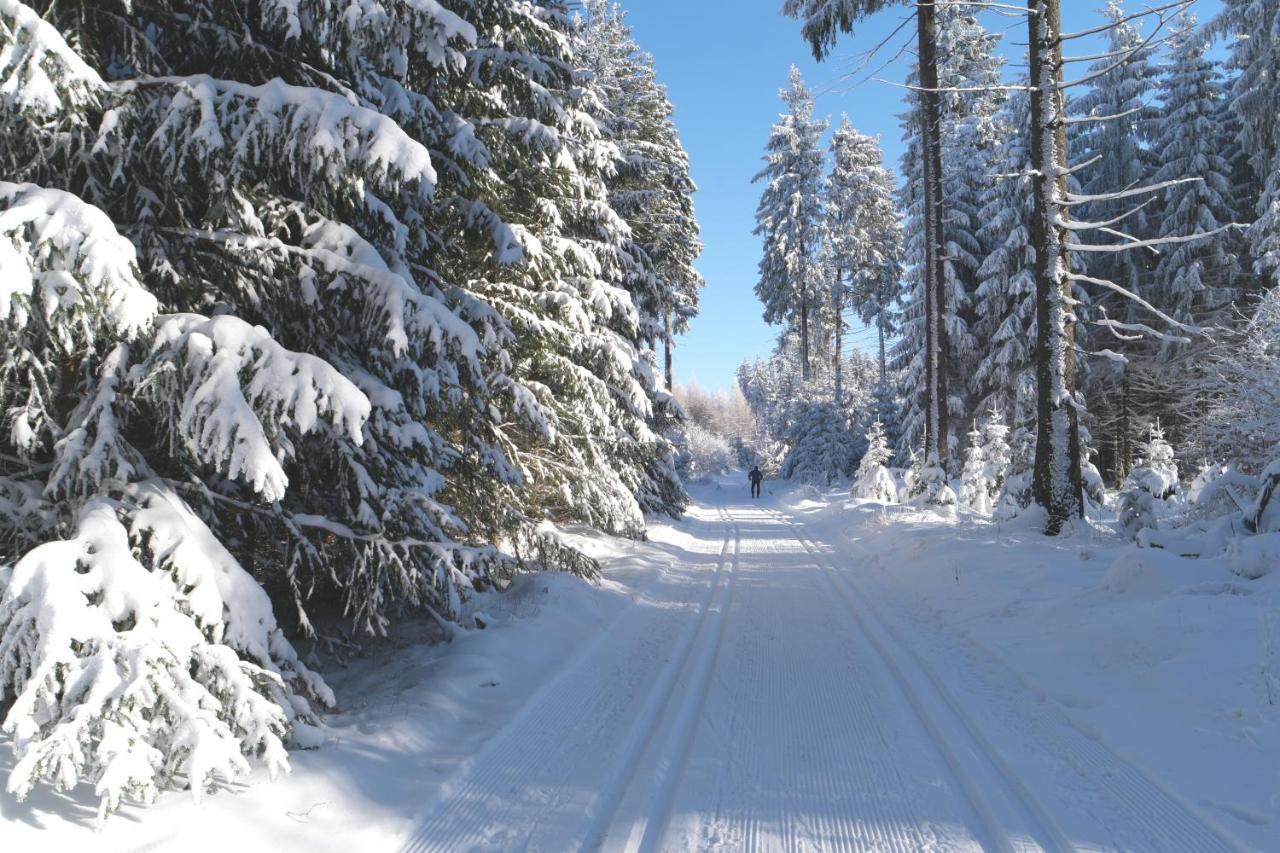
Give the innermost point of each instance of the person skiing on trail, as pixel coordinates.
(756, 476)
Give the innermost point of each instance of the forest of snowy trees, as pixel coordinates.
(313, 315)
(321, 316)
(1076, 274)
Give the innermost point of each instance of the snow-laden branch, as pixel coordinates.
(1078, 198)
(38, 69)
(1129, 294)
(1144, 330)
(1113, 117)
(1144, 244)
(1093, 31)
(319, 134)
(1077, 225)
(239, 388)
(139, 652)
(58, 253)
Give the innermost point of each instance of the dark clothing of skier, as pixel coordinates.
(755, 477)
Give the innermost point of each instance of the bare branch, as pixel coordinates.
(1143, 244)
(1075, 198)
(1075, 225)
(1112, 117)
(955, 88)
(1180, 4)
(1129, 294)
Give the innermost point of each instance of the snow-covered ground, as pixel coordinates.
(796, 673)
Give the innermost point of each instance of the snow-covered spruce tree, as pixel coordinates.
(865, 231)
(872, 481)
(930, 486)
(595, 456)
(1005, 298)
(996, 455)
(651, 186)
(1016, 491)
(790, 220)
(969, 76)
(136, 650)
(1194, 282)
(975, 489)
(1141, 502)
(1251, 29)
(265, 194)
(1111, 146)
(821, 446)
(970, 73)
(824, 21)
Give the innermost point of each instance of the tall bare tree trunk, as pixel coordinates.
(930, 109)
(1057, 483)
(838, 298)
(804, 338)
(884, 367)
(668, 346)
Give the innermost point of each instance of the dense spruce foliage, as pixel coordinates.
(312, 313)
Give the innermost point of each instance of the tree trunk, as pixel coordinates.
(884, 368)
(1124, 458)
(1057, 483)
(668, 346)
(838, 298)
(930, 109)
(804, 339)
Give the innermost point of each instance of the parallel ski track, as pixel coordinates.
(1137, 799)
(647, 832)
(930, 705)
(807, 758)
(555, 730)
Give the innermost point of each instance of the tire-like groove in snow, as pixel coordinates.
(646, 833)
(1168, 822)
(465, 816)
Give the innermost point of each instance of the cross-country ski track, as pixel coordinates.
(757, 698)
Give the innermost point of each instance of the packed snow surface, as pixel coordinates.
(795, 673)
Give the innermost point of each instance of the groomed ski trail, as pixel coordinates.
(757, 700)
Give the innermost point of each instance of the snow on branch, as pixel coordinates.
(408, 314)
(1077, 198)
(321, 136)
(1134, 243)
(59, 254)
(39, 72)
(1129, 294)
(140, 655)
(1179, 6)
(235, 424)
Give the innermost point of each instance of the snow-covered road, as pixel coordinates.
(794, 674)
(754, 698)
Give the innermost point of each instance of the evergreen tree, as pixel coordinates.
(969, 76)
(821, 448)
(865, 231)
(974, 489)
(872, 481)
(1252, 31)
(789, 219)
(1005, 299)
(1142, 501)
(1194, 281)
(651, 186)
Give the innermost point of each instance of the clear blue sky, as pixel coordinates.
(723, 62)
